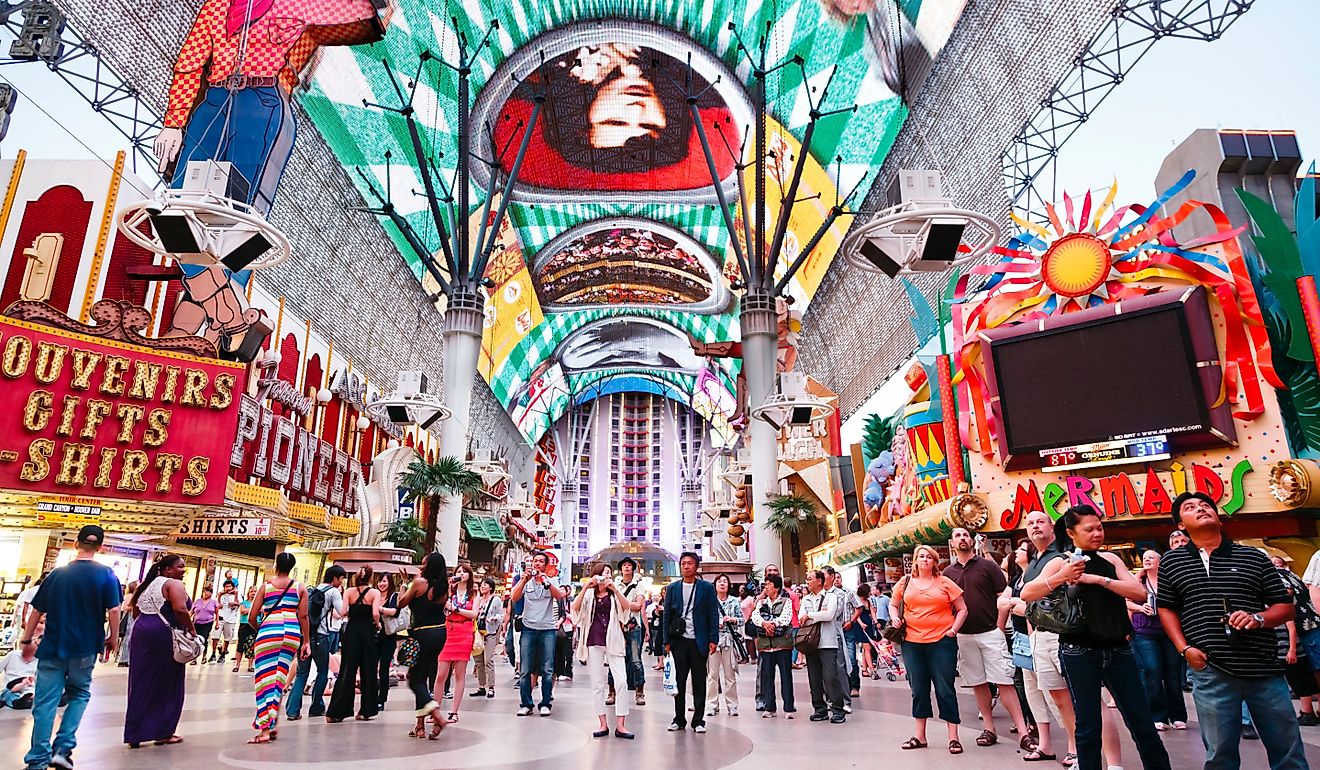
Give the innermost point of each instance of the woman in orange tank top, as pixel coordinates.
(930, 609)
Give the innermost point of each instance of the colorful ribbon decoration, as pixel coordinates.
(1141, 250)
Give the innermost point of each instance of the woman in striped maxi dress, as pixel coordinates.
(281, 635)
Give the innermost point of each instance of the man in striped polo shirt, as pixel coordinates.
(1218, 601)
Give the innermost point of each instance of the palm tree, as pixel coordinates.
(435, 482)
(789, 515)
(405, 533)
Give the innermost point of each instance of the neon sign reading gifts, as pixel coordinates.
(295, 460)
(1124, 494)
(90, 416)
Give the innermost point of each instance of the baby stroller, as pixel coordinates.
(887, 657)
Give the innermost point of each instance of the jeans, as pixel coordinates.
(1161, 670)
(1217, 696)
(536, 654)
(321, 657)
(253, 128)
(854, 673)
(55, 677)
(823, 677)
(933, 663)
(689, 661)
(633, 659)
(768, 662)
(1087, 669)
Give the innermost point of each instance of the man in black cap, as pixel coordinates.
(74, 601)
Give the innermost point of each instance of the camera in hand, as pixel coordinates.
(1230, 633)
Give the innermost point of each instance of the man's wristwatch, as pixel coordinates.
(25, 641)
(1259, 618)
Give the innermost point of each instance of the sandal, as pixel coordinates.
(259, 739)
(437, 725)
(1028, 742)
(912, 743)
(955, 747)
(170, 741)
(453, 717)
(1070, 760)
(1036, 755)
(418, 732)
(986, 738)
(362, 718)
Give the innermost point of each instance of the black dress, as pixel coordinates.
(358, 656)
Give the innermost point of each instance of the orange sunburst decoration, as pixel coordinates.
(1092, 255)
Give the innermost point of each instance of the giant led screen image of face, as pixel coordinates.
(627, 261)
(616, 119)
(628, 343)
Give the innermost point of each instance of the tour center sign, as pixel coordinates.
(85, 416)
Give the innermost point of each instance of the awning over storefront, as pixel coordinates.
(931, 526)
(484, 527)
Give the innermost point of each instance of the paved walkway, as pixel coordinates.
(218, 715)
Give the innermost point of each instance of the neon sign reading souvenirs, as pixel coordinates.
(1124, 494)
(290, 458)
(79, 415)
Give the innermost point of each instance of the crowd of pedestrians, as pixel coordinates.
(1059, 630)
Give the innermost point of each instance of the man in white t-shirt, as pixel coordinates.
(23, 602)
(228, 617)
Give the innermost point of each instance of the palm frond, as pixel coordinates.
(785, 514)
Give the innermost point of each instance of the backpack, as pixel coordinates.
(316, 608)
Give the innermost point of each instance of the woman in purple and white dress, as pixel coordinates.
(155, 679)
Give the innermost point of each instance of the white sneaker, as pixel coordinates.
(847, 709)
(61, 761)
(699, 729)
(1161, 726)
(545, 711)
(674, 727)
(524, 711)
(733, 712)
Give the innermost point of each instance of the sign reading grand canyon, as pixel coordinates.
(80, 415)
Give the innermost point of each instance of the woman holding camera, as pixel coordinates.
(723, 666)
(1097, 653)
(773, 619)
(600, 608)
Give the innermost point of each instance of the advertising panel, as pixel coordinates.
(91, 417)
(616, 139)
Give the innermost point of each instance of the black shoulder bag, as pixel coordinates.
(1059, 612)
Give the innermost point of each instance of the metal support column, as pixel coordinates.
(462, 336)
(760, 343)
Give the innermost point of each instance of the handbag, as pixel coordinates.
(478, 632)
(897, 634)
(187, 647)
(408, 651)
(400, 622)
(1022, 651)
(1060, 612)
(808, 639)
